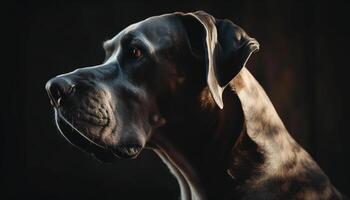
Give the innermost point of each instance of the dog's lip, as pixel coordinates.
(74, 129)
(82, 142)
(77, 139)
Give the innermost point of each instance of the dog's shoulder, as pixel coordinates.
(307, 182)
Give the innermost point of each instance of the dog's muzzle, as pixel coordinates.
(83, 122)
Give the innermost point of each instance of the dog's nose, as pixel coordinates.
(59, 88)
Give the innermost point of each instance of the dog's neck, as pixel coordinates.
(263, 127)
(212, 155)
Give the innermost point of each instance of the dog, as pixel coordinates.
(177, 84)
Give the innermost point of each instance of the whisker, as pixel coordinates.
(59, 129)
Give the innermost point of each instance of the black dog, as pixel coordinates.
(162, 86)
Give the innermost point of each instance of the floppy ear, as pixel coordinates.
(226, 48)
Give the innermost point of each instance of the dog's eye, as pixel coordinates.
(137, 53)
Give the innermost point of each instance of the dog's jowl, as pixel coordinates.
(177, 84)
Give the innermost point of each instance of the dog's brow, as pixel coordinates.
(128, 37)
(138, 36)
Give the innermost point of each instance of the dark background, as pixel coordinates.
(302, 65)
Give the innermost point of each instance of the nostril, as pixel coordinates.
(71, 89)
(58, 88)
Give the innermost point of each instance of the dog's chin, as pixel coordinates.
(82, 142)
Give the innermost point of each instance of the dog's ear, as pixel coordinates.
(224, 46)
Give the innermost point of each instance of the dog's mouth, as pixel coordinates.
(75, 135)
(129, 151)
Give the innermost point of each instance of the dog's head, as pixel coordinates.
(154, 70)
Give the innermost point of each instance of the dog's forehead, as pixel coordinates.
(151, 30)
(159, 24)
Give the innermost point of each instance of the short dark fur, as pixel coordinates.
(169, 97)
